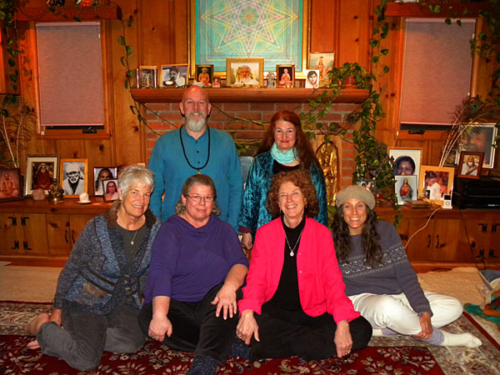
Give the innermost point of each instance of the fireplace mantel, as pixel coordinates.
(248, 95)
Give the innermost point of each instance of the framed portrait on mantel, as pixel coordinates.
(277, 31)
(174, 75)
(245, 72)
(74, 177)
(406, 188)
(481, 139)
(205, 74)
(435, 182)
(10, 185)
(407, 161)
(286, 75)
(40, 170)
(323, 62)
(470, 164)
(146, 77)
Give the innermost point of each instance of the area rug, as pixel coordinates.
(386, 355)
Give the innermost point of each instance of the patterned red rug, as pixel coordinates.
(389, 356)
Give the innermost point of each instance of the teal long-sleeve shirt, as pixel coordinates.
(171, 170)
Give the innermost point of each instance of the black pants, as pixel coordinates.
(285, 334)
(196, 328)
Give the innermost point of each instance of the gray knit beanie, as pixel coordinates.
(355, 192)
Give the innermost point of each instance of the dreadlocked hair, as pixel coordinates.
(370, 238)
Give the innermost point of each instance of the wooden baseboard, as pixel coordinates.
(33, 261)
(443, 266)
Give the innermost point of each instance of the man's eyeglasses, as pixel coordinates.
(197, 198)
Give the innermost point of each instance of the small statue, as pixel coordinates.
(271, 80)
(56, 192)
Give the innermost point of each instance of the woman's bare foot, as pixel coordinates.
(33, 345)
(33, 327)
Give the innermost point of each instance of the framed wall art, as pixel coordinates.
(407, 161)
(244, 72)
(470, 164)
(110, 188)
(276, 31)
(40, 170)
(481, 139)
(174, 75)
(205, 74)
(323, 63)
(103, 174)
(312, 79)
(10, 185)
(74, 177)
(435, 182)
(406, 188)
(286, 75)
(146, 77)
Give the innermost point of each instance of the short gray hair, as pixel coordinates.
(134, 173)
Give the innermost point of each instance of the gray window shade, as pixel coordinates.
(70, 74)
(437, 70)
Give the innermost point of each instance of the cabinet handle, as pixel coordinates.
(73, 236)
(437, 241)
(14, 220)
(494, 228)
(429, 241)
(473, 244)
(26, 246)
(16, 245)
(481, 255)
(491, 254)
(23, 220)
(66, 235)
(484, 227)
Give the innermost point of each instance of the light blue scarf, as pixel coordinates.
(283, 157)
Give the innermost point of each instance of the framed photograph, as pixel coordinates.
(40, 170)
(10, 185)
(147, 77)
(406, 188)
(323, 62)
(312, 79)
(244, 72)
(103, 174)
(110, 188)
(470, 164)
(481, 139)
(205, 74)
(286, 75)
(435, 182)
(174, 75)
(407, 161)
(74, 177)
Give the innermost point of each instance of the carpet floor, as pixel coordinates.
(386, 355)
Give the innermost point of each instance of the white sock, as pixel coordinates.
(460, 339)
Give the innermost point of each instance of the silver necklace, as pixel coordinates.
(133, 238)
(292, 251)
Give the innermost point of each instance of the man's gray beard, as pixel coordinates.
(195, 126)
(470, 164)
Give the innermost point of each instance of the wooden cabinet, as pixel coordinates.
(63, 231)
(482, 236)
(43, 233)
(23, 234)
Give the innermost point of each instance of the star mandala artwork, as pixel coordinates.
(269, 29)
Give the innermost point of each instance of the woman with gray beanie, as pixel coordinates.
(380, 280)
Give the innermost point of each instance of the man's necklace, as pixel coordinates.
(292, 250)
(184, 151)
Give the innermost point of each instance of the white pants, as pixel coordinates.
(394, 311)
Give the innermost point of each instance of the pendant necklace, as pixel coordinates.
(292, 250)
(133, 238)
(184, 151)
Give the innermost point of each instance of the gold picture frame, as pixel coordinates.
(205, 74)
(285, 74)
(435, 182)
(244, 72)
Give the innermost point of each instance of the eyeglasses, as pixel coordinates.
(281, 133)
(197, 198)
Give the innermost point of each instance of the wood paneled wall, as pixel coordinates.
(159, 35)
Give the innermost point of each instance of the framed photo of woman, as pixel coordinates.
(470, 165)
(407, 161)
(40, 170)
(286, 75)
(110, 188)
(103, 174)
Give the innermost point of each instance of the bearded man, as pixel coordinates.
(196, 148)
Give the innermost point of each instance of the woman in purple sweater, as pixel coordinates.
(196, 271)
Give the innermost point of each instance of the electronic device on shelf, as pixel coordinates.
(479, 194)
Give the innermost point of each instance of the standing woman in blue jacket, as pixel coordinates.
(100, 289)
(284, 148)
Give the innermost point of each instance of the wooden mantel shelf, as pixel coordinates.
(415, 10)
(239, 95)
(69, 13)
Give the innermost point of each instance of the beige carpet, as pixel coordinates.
(28, 284)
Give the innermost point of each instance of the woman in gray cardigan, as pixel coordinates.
(100, 288)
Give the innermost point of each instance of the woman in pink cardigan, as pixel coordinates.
(294, 301)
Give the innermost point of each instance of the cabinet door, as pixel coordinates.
(478, 238)
(58, 231)
(493, 252)
(77, 222)
(420, 244)
(446, 238)
(11, 234)
(35, 234)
